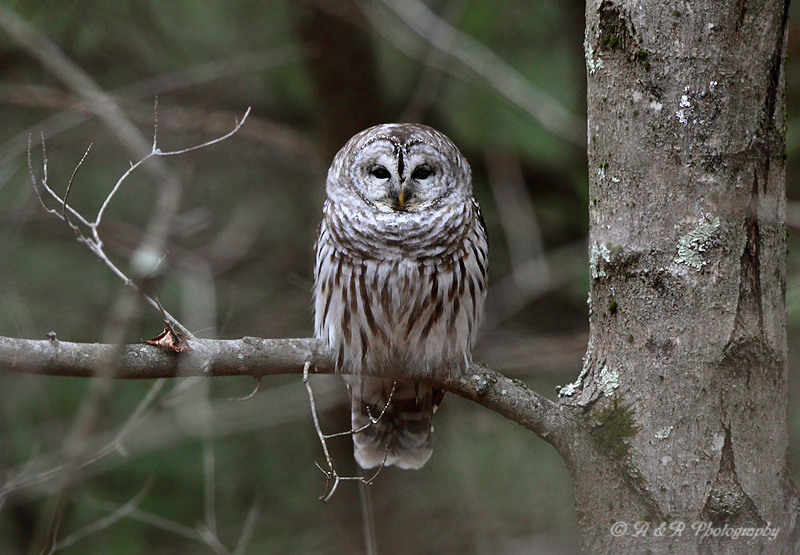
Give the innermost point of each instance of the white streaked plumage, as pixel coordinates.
(400, 279)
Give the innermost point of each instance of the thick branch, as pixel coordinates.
(258, 357)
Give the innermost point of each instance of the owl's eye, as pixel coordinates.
(422, 172)
(379, 172)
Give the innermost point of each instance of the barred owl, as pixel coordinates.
(400, 280)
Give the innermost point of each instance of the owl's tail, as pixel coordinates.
(403, 433)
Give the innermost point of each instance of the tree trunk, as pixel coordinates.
(684, 385)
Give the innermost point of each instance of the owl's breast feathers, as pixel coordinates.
(437, 235)
(403, 299)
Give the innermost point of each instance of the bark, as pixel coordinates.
(685, 375)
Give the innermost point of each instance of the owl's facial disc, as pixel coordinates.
(399, 179)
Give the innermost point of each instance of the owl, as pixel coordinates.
(400, 280)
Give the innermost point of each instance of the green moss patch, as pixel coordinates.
(617, 423)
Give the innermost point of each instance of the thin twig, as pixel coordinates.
(158, 152)
(372, 420)
(249, 526)
(46, 186)
(368, 519)
(155, 124)
(231, 133)
(118, 514)
(65, 203)
(252, 393)
(209, 484)
(93, 241)
(57, 514)
(332, 476)
(314, 413)
(151, 519)
(32, 174)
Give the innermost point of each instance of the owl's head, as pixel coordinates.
(399, 168)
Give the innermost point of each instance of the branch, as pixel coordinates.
(256, 357)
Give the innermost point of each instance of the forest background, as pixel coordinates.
(506, 81)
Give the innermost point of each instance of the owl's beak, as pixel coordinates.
(401, 196)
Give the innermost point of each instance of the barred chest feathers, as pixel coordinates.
(407, 304)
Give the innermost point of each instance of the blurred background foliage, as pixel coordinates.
(240, 261)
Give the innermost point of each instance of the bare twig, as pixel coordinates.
(249, 527)
(101, 103)
(46, 186)
(118, 514)
(367, 519)
(92, 238)
(332, 476)
(154, 240)
(65, 203)
(319, 432)
(251, 394)
(151, 519)
(372, 419)
(158, 152)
